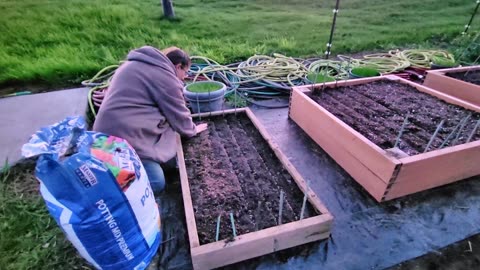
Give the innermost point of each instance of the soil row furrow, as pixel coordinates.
(271, 198)
(355, 120)
(371, 117)
(230, 169)
(387, 125)
(426, 113)
(215, 197)
(389, 120)
(281, 178)
(377, 110)
(243, 173)
(417, 131)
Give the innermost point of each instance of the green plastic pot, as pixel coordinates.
(363, 72)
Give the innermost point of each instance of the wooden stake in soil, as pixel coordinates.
(217, 232)
(233, 225)
(280, 207)
(401, 130)
(434, 135)
(473, 131)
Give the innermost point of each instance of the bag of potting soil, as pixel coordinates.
(96, 188)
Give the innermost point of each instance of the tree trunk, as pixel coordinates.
(168, 9)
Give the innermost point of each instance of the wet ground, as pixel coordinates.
(462, 255)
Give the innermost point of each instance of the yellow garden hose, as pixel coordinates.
(278, 68)
(422, 58)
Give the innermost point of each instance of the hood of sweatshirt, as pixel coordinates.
(151, 56)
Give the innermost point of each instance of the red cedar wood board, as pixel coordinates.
(384, 176)
(438, 80)
(257, 243)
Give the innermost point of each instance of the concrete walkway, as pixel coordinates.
(22, 116)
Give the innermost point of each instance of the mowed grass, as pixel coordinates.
(29, 237)
(64, 42)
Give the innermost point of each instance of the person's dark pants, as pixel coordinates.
(155, 172)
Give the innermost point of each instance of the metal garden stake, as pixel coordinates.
(233, 225)
(473, 131)
(405, 121)
(217, 233)
(434, 135)
(280, 207)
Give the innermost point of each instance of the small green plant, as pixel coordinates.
(319, 78)
(365, 72)
(204, 87)
(236, 102)
(443, 61)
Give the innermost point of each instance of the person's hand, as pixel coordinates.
(201, 127)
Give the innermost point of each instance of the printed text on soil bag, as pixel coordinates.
(86, 176)
(112, 224)
(145, 196)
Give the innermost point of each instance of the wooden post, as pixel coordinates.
(168, 9)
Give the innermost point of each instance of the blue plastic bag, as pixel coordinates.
(96, 188)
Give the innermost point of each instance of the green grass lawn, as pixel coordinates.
(63, 42)
(29, 237)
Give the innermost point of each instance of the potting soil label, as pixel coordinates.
(96, 188)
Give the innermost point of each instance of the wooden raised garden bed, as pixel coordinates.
(357, 123)
(461, 82)
(234, 167)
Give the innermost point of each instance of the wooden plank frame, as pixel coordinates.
(384, 175)
(257, 243)
(438, 80)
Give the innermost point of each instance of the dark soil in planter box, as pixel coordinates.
(467, 76)
(377, 111)
(231, 168)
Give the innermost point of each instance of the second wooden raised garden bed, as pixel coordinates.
(460, 82)
(234, 171)
(357, 123)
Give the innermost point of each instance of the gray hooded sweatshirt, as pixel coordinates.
(144, 104)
